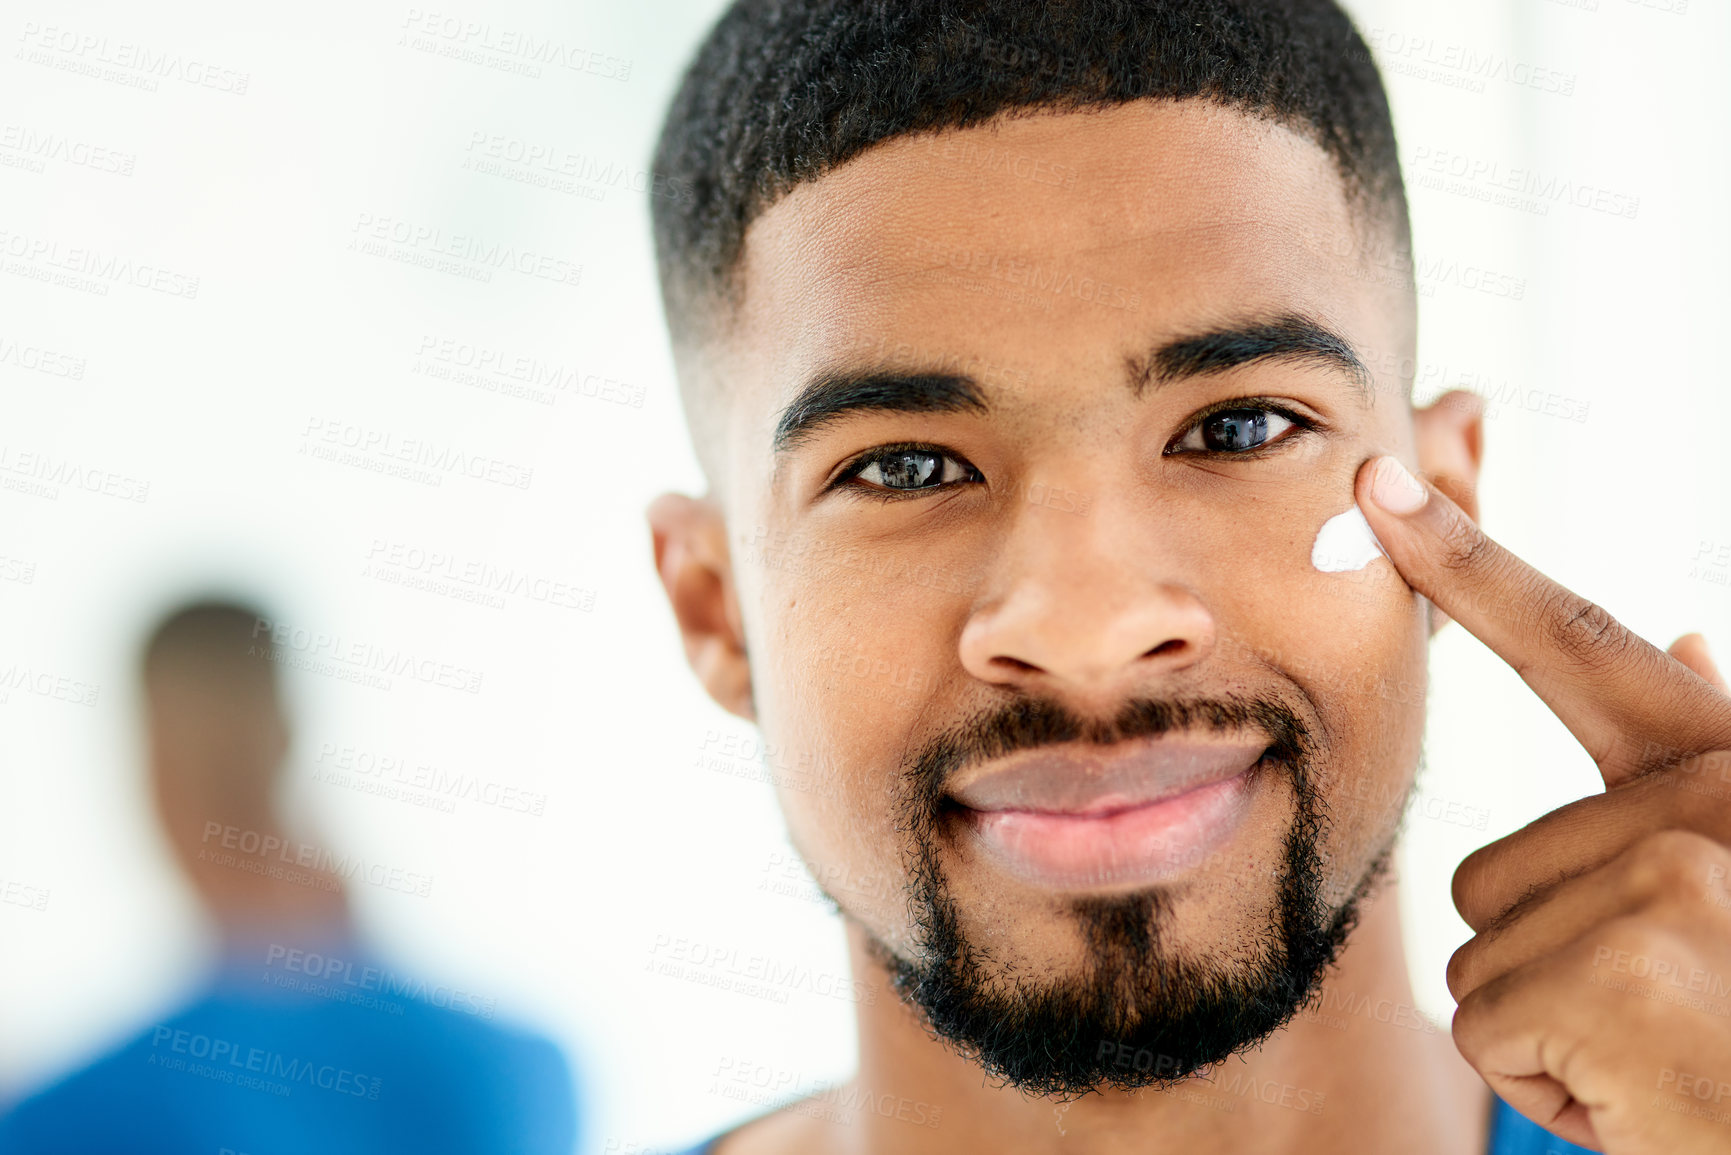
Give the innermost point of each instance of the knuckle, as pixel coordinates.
(1497, 882)
(1587, 633)
(1459, 1029)
(1472, 890)
(1463, 1029)
(1476, 1016)
(1465, 547)
(1670, 862)
(1462, 1024)
(1459, 971)
(1635, 942)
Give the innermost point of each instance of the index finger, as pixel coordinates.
(1633, 706)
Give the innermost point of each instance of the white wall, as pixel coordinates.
(209, 400)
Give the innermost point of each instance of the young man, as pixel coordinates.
(1033, 351)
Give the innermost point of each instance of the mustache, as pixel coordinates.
(1029, 723)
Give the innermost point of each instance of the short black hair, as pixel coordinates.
(783, 91)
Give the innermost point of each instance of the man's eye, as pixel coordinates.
(1235, 431)
(905, 469)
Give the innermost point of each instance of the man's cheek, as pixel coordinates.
(834, 755)
(1360, 660)
(1354, 599)
(853, 851)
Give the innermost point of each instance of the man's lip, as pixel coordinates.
(1099, 780)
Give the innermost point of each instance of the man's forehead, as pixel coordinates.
(1083, 183)
(1075, 238)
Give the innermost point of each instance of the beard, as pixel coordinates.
(1140, 1013)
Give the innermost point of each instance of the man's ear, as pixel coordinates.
(696, 569)
(1449, 435)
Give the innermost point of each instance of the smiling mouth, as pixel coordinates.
(1085, 818)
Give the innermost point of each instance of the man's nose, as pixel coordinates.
(1091, 607)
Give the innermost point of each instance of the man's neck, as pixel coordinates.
(1361, 1070)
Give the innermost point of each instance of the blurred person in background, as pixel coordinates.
(302, 1041)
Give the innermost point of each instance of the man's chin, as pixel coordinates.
(1140, 1010)
(1152, 1026)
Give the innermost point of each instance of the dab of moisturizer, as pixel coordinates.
(1345, 542)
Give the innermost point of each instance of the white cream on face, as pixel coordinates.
(1345, 542)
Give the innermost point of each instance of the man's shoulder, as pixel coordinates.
(791, 1129)
(788, 1129)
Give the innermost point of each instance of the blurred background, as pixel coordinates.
(244, 284)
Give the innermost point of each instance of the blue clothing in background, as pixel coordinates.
(1512, 1133)
(297, 1065)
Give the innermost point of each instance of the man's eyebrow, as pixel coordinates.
(1286, 338)
(835, 395)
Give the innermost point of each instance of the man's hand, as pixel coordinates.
(1595, 996)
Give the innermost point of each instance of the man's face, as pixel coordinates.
(1026, 580)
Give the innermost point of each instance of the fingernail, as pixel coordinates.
(1393, 488)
